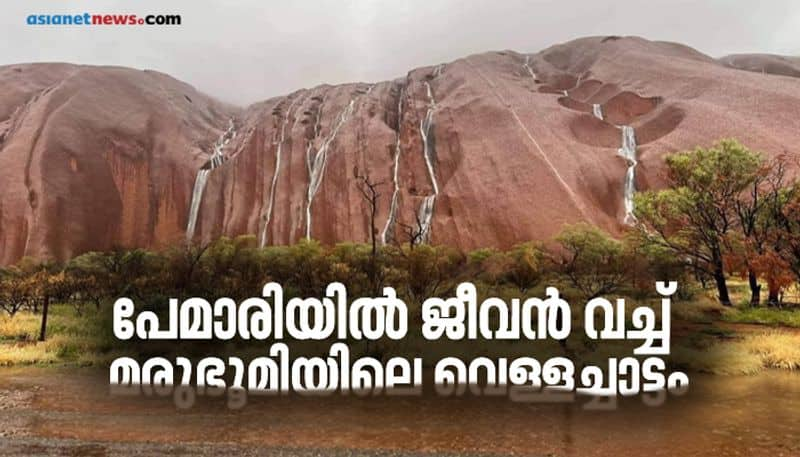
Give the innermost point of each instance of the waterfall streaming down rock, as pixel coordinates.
(597, 110)
(425, 213)
(565, 92)
(197, 196)
(390, 221)
(316, 160)
(217, 159)
(281, 139)
(527, 66)
(628, 152)
(427, 141)
(425, 217)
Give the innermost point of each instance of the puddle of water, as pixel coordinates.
(748, 416)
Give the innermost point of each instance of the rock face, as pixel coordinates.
(488, 150)
(764, 63)
(93, 157)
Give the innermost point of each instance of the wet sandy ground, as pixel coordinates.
(62, 447)
(47, 411)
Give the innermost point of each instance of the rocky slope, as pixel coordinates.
(764, 63)
(94, 157)
(488, 150)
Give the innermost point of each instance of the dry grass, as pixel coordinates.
(775, 349)
(70, 339)
(23, 327)
(701, 309)
(749, 355)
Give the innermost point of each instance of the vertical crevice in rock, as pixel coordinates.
(388, 230)
(426, 130)
(316, 160)
(217, 159)
(281, 139)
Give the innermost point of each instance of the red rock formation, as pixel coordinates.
(93, 157)
(764, 63)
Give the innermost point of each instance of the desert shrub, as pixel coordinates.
(590, 260)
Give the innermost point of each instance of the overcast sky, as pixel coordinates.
(242, 51)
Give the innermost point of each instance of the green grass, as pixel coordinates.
(705, 309)
(764, 316)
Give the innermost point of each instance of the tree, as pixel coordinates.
(429, 270)
(306, 267)
(120, 272)
(526, 265)
(231, 267)
(15, 290)
(370, 194)
(32, 284)
(785, 241)
(776, 272)
(695, 215)
(591, 260)
(183, 261)
(488, 265)
(648, 262)
(414, 233)
(755, 210)
(50, 284)
(352, 265)
(91, 277)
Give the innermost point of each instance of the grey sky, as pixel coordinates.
(247, 50)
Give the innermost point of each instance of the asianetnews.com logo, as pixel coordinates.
(103, 19)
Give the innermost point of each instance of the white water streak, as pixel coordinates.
(628, 152)
(425, 213)
(597, 110)
(281, 139)
(217, 159)
(197, 196)
(316, 161)
(390, 221)
(580, 206)
(425, 131)
(527, 66)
